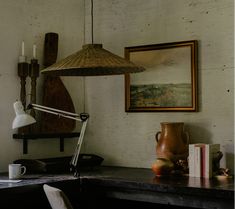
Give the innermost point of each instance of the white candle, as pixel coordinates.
(22, 48)
(34, 51)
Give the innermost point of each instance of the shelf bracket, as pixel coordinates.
(25, 146)
(61, 144)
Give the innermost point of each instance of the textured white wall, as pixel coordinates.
(128, 139)
(29, 20)
(123, 139)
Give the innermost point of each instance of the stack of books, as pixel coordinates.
(201, 159)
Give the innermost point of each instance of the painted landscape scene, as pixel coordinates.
(161, 95)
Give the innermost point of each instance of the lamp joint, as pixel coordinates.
(84, 116)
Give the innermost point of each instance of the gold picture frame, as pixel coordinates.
(170, 80)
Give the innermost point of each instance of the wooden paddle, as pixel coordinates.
(55, 94)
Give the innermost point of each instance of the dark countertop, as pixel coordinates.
(134, 178)
(35, 179)
(144, 179)
(135, 184)
(142, 186)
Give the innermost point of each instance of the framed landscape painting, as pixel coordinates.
(169, 82)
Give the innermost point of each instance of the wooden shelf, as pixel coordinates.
(35, 136)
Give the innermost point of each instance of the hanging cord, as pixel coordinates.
(84, 94)
(84, 23)
(92, 38)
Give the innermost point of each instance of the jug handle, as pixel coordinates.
(157, 134)
(187, 137)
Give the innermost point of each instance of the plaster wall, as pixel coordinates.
(123, 139)
(128, 139)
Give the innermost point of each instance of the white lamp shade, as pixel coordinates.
(21, 119)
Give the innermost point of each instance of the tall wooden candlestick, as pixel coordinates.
(23, 72)
(33, 73)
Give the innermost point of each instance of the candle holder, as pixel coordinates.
(23, 72)
(33, 74)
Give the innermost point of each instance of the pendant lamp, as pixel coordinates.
(92, 60)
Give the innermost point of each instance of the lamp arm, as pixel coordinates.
(52, 109)
(79, 144)
(83, 117)
(57, 113)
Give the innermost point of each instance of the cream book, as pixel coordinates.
(197, 161)
(191, 160)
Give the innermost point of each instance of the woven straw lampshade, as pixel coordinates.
(92, 60)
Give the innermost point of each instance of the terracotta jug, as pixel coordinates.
(172, 141)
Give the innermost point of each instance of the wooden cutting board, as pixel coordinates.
(55, 94)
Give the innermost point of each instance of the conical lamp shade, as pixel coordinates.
(92, 60)
(22, 119)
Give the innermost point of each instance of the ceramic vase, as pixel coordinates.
(172, 141)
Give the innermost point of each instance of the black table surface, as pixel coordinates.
(145, 179)
(34, 179)
(134, 178)
(143, 187)
(135, 184)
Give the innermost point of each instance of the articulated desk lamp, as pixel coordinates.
(23, 119)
